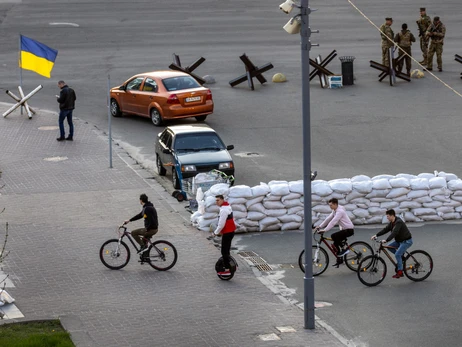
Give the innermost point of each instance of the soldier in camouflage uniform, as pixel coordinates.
(404, 40)
(386, 44)
(436, 32)
(423, 23)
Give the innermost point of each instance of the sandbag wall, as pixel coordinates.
(278, 205)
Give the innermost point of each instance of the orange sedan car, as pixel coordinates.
(162, 95)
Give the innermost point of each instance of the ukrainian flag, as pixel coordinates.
(36, 56)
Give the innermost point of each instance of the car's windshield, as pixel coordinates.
(198, 142)
(179, 83)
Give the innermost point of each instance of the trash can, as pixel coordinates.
(347, 70)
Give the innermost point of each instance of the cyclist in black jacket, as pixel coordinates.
(151, 224)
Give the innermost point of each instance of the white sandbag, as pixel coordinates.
(364, 187)
(455, 193)
(378, 193)
(316, 198)
(233, 201)
(407, 176)
(302, 214)
(210, 215)
(423, 211)
(291, 196)
(365, 206)
(239, 207)
(380, 184)
(350, 207)
(381, 177)
(268, 221)
(289, 218)
(409, 217)
(455, 185)
(456, 198)
(441, 198)
(254, 201)
(426, 175)
(452, 203)
(410, 204)
(322, 209)
(453, 215)
(202, 222)
(257, 208)
(360, 221)
(194, 217)
(276, 213)
(269, 204)
(360, 178)
(437, 182)
(419, 184)
(400, 210)
(350, 215)
(417, 194)
(274, 227)
(199, 194)
(361, 212)
(290, 226)
(239, 214)
(240, 191)
(377, 211)
(423, 199)
(273, 197)
(206, 229)
(445, 209)
(374, 204)
(295, 209)
(399, 182)
(219, 189)
(292, 203)
(249, 223)
(280, 189)
(322, 189)
(439, 191)
(210, 201)
(296, 187)
(389, 205)
(447, 176)
(261, 190)
(360, 201)
(401, 198)
(374, 220)
(276, 182)
(458, 209)
(396, 192)
(341, 186)
(431, 218)
(338, 196)
(342, 202)
(433, 204)
(253, 229)
(255, 216)
(380, 200)
(354, 195)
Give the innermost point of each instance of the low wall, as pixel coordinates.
(278, 205)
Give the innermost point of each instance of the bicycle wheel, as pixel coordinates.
(418, 265)
(358, 251)
(372, 270)
(162, 255)
(320, 260)
(114, 255)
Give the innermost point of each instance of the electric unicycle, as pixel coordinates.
(219, 266)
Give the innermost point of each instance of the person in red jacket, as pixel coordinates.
(226, 228)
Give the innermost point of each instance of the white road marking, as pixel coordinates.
(65, 24)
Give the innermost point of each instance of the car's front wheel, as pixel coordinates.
(115, 109)
(156, 118)
(175, 180)
(200, 118)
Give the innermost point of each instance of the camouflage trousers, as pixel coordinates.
(438, 49)
(385, 56)
(424, 48)
(407, 59)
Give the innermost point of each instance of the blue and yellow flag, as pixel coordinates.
(36, 56)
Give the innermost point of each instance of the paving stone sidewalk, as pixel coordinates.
(63, 201)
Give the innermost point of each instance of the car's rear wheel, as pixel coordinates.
(175, 180)
(160, 169)
(200, 118)
(115, 109)
(156, 118)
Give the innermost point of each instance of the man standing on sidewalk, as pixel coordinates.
(226, 228)
(423, 23)
(404, 40)
(436, 31)
(66, 99)
(387, 40)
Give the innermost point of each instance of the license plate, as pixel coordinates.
(194, 98)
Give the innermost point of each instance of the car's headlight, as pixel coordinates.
(188, 168)
(227, 165)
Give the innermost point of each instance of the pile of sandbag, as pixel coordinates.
(278, 205)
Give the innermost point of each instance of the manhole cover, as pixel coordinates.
(246, 254)
(55, 159)
(248, 155)
(49, 127)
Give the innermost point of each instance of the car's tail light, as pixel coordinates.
(173, 100)
(209, 95)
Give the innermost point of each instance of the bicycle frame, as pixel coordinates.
(391, 257)
(128, 234)
(323, 240)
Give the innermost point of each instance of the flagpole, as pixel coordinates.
(20, 66)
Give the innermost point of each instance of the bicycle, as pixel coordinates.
(115, 254)
(320, 259)
(417, 266)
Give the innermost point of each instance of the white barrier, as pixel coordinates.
(278, 205)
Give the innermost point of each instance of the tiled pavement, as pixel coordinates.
(61, 211)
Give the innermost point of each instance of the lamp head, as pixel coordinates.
(287, 6)
(293, 26)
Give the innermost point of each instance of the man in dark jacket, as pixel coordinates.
(151, 224)
(402, 236)
(66, 99)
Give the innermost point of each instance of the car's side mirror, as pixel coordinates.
(230, 147)
(122, 88)
(166, 151)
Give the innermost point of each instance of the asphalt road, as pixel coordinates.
(396, 312)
